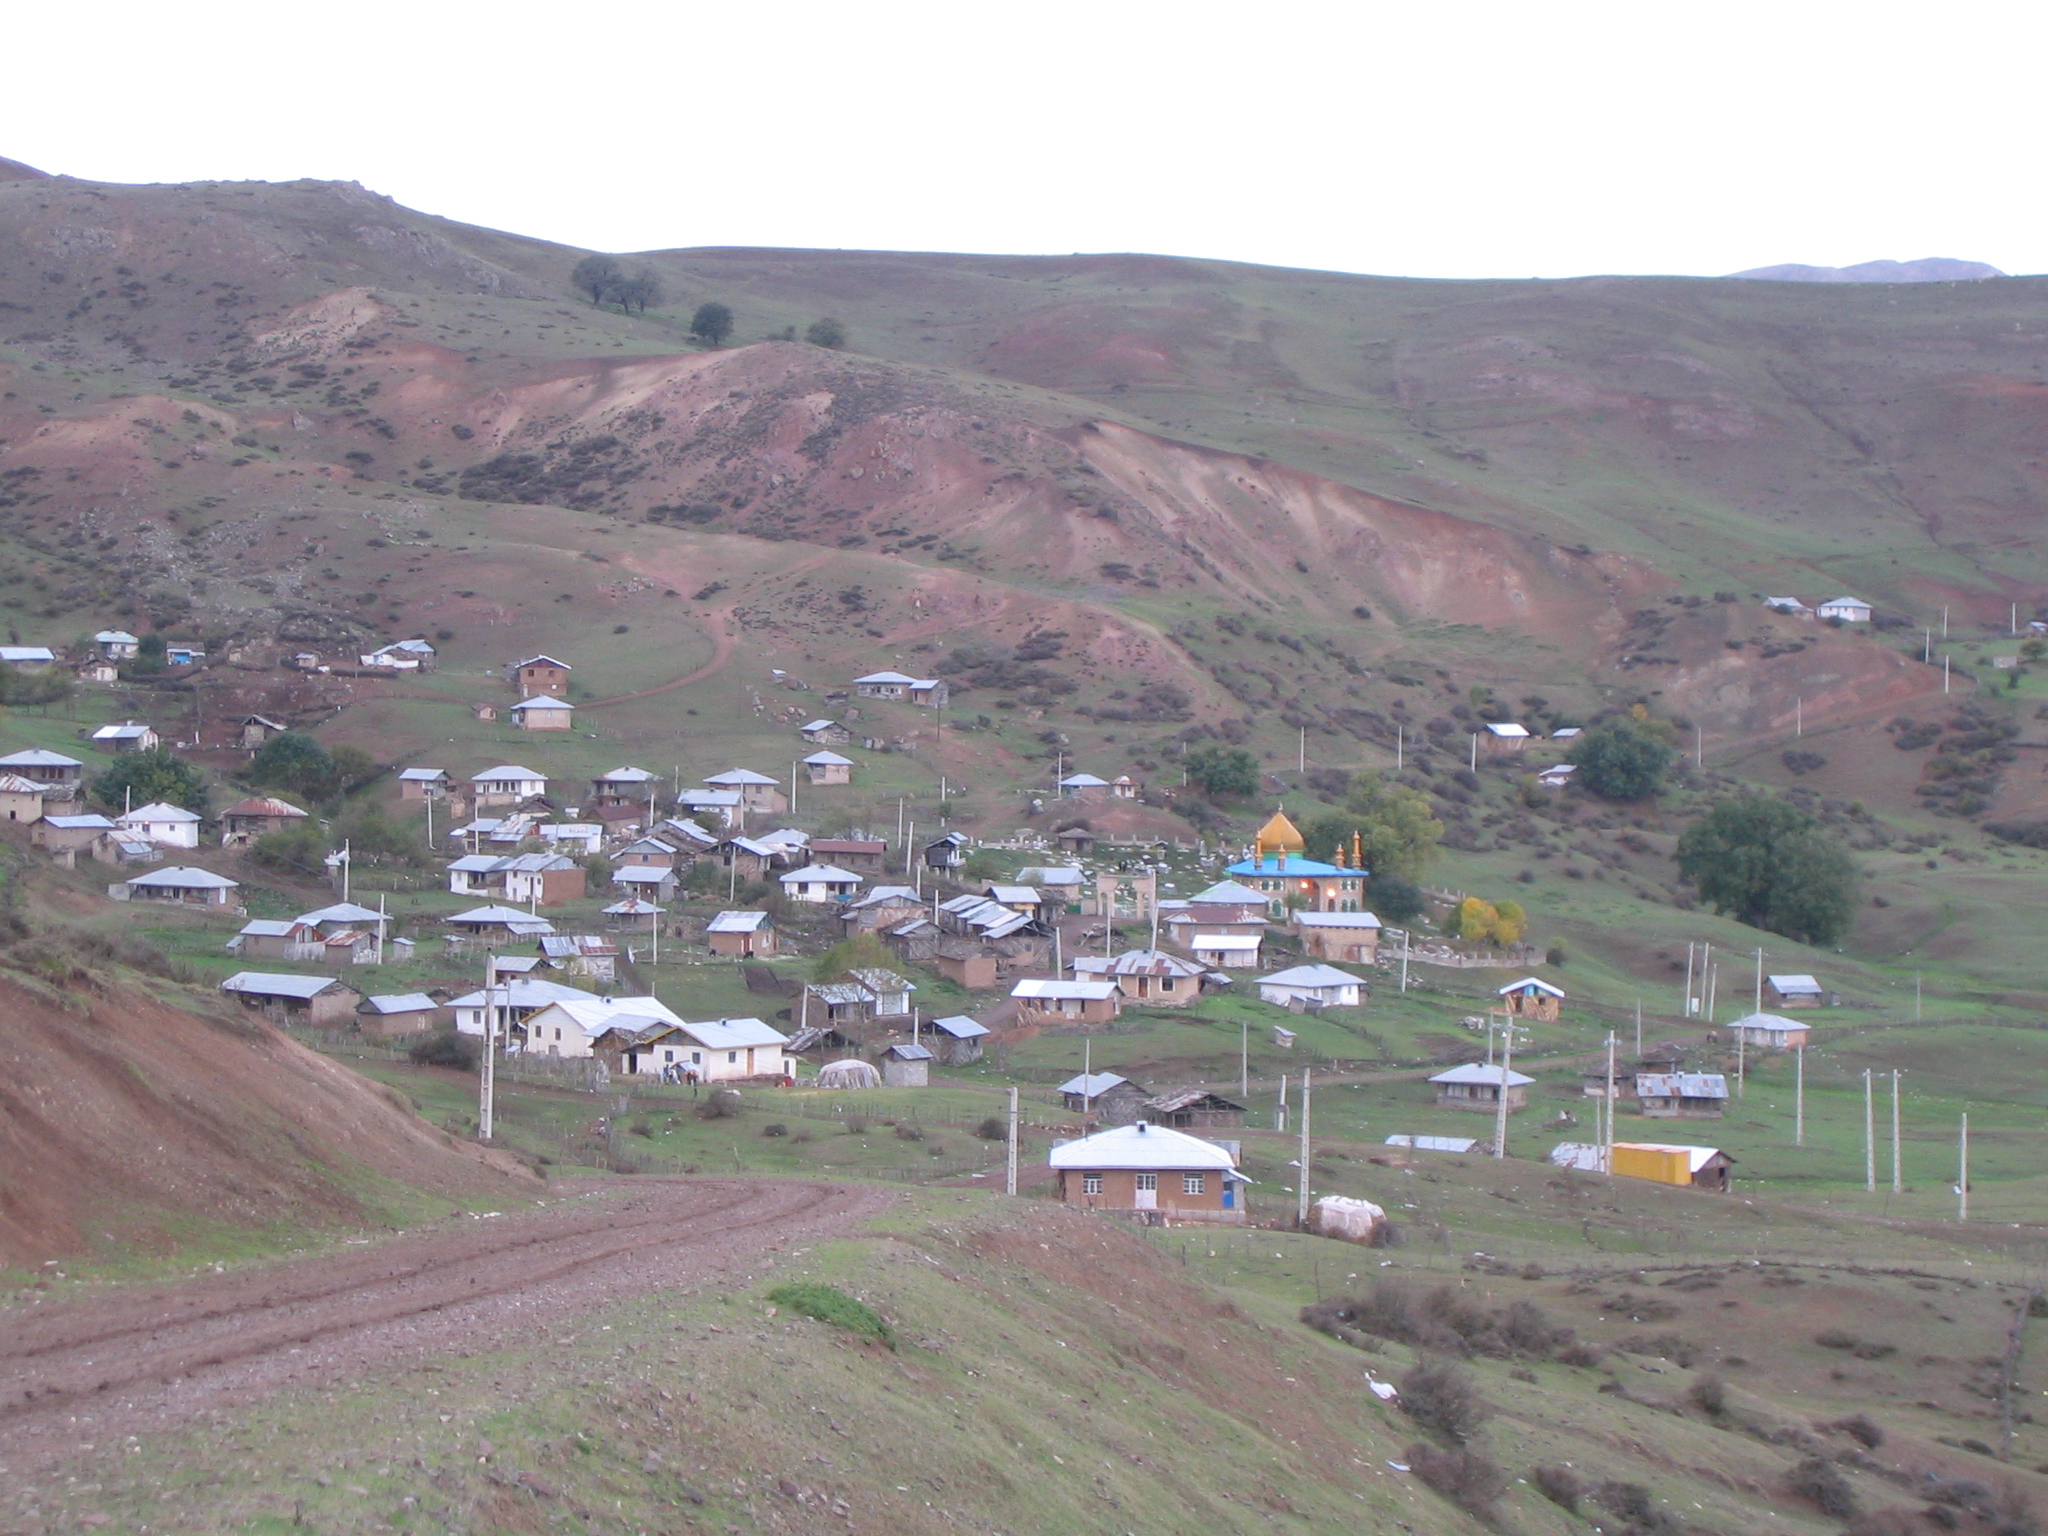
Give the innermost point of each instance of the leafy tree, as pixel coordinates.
(144, 778)
(1476, 919)
(294, 762)
(982, 864)
(1768, 864)
(862, 952)
(299, 850)
(1624, 759)
(25, 689)
(1223, 770)
(638, 291)
(149, 656)
(596, 276)
(711, 323)
(1509, 922)
(826, 333)
(1395, 834)
(1396, 900)
(353, 768)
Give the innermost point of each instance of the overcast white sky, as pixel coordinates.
(1428, 139)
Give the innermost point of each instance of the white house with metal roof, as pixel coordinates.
(168, 826)
(1324, 986)
(508, 783)
(820, 883)
(195, 887)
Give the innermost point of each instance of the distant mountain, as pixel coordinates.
(14, 170)
(1929, 269)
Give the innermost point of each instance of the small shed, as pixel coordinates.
(1531, 998)
(58, 833)
(747, 935)
(825, 733)
(1104, 1095)
(956, 1039)
(21, 799)
(1682, 1095)
(277, 938)
(851, 1072)
(634, 915)
(423, 784)
(1795, 991)
(1503, 738)
(128, 736)
(1770, 1032)
(1321, 986)
(1850, 610)
(948, 852)
(398, 1013)
(257, 729)
(1661, 1163)
(828, 768)
(906, 1065)
(1476, 1085)
(1194, 1109)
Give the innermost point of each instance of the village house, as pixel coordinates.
(321, 1001)
(1287, 880)
(1351, 937)
(1066, 1002)
(545, 879)
(496, 925)
(542, 713)
(1225, 908)
(1103, 1096)
(757, 791)
(885, 906)
(1223, 951)
(586, 956)
(975, 972)
(579, 838)
(956, 1039)
(862, 855)
(397, 1014)
(1024, 900)
(712, 1051)
(906, 1064)
(744, 935)
(192, 887)
(269, 938)
(1147, 976)
(828, 768)
(1076, 842)
(167, 826)
(1531, 998)
(634, 915)
(830, 1004)
(414, 655)
(1060, 888)
(1503, 738)
(820, 883)
(979, 917)
(749, 858)
(722, 805)
(891, 993)
(1143, 1169)
(1084, 787)
(68, 834)
(183, 653)
(627, 786)
(423, 784)
(28, 658)
(1850, 610)
(826, 733)
(20, 799)
(128, 736)
(948, 852)
(259, 816)
(925, 692)
(117, 644)
(1317, 986)
(647, 853)
(1476, 1085)
(1794, 991)
(1770, 1032)
(540, 676)
(514, 1002)
(507, 784)
(61, 777)
(686, 837)
(1186, 1109)
(1682, 1095)
(96, 671)
(648, 883)
(257, 729)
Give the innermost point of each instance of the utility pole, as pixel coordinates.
(1944, 622)
(1944, 672)
(1689, 1009)
(382, 919)
(1898, 1183)
(1244, 1059)
(1500, 1116)
(1639, 1029)
(1404, 962)
(1699, 746)
(1400, 746)
(488, 1088)
(1927, 646)
(1916, 997)
(1741, 1061)
(430, 821)
(1280, 1114)
(1963, 1170)
(1301, 1191)
(1010, 1157)
(346, 862)
(1474, 765)
(1607, 1141)
(792, 787)
(1301, 757)
(1799, 1098)
(1869, 1137)
(1757, 1006)
(1087, 1076)
(1799, 717)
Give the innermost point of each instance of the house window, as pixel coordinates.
(697, 1058)
(732, 1056)
(665, 1055)
(1166, 984)
(1194, 1183)
(1091, 1183)
(1148, 1181)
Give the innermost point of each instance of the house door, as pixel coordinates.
(1147, 1197)
(1229, 1195)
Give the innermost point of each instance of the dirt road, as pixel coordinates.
(144, 1359)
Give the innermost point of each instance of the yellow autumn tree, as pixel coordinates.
(1509, 922)
(1476, 919)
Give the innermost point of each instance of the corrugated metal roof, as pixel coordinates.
(1142, 1147)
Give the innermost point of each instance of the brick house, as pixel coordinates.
(1146, 1169)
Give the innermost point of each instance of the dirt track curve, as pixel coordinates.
(144, 1359)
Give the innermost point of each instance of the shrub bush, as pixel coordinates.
(446, 1048)
(1816, 1478)
(1560, 1485)
(1860, 1428)
(993, 1129)
(905, 1131)
(828, 1304)
(722, 1105)
(775, 1128)
(1710, 1395)
(1443, 1398)
(1468, 1479)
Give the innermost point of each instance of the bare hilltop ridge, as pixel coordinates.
(1929, 269)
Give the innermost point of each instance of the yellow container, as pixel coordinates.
(1664, 1165)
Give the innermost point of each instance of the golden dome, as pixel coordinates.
(1280, 835)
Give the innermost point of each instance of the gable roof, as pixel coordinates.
(267, 984)
(542, 701)
(543, 660)
(1094, 1085)
(732, 1034)
(400, 1002)
(1799, 983)
(1775, 1022)
(39, 757)
(828, 760)
(736, 922)
(888, 896)
(818, 725)
(1527, 982)
(633, 906)
(344, 912)
(1311, 976)
(1479, 1072)
(510, 917)
(627, 775)
(733, 776)
(815, 874)
(507, 771)
(958, 1026)
(417, 775)
(1142, 1146)
(1065, 991)
(156, 810)
(1136, 962)
(1228, 893)
(264, 805)
(1507, 729)
(92, 821)
(521, 992)
(1083, 781)
(1336, 920)
(180, 878)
